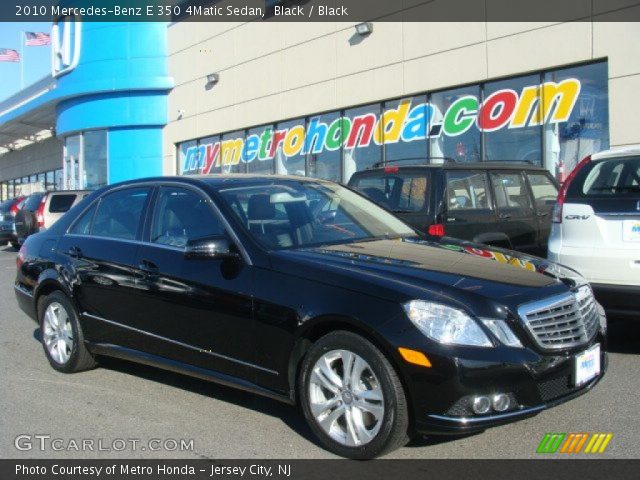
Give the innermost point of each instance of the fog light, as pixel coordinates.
(501, 402)
(481, 405)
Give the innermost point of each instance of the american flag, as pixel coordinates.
(35, 39)
(9, 55)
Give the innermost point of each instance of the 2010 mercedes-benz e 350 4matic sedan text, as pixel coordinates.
(305, 291)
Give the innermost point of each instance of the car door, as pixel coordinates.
(194, 310)
(466, 207)
(544, 192)
(516, 216)
(99, 253)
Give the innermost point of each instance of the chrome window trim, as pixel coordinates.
(181, 344)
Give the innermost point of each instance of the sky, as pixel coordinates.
(36, 61)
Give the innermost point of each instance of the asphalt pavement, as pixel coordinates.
(122, 410)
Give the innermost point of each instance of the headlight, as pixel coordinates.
(502, 331)
(445, 324)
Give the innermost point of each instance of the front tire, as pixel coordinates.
(61, 335)
(352, 397)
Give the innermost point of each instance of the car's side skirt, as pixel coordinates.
(145, 358)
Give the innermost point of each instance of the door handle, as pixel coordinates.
(504, 216)
(74, 252)
(149, 267)
(543, 214)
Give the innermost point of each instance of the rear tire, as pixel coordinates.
(15, 245)
(61, 335)
(352, 397)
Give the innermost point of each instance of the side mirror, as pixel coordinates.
(211, 248)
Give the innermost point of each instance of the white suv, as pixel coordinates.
(596, 227)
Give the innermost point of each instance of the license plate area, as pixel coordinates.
(631, 231)
(586, 366)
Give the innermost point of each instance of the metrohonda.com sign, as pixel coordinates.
(549, 102)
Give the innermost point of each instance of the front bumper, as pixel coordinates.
(533, 379)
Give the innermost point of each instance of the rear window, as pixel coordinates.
(398, 192)
(33, 202)
(617, 176)
(61, 203)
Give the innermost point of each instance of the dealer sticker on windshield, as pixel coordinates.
(587, 365)
(631, 231)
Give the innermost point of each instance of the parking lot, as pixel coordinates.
(136, 404)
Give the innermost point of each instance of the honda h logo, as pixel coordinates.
(65, 44)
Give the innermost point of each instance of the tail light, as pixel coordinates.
(22, 256)
(562, 194)
(436, 230)
(15, 208)
(40, 211)
(391, 169)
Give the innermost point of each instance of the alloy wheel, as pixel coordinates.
(57, 333)
(346, 398)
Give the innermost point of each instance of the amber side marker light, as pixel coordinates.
(417, 358)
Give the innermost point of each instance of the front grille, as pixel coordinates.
(564, 321)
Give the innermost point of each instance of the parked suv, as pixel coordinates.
(502, 204)
(41, 210)
(307, 292)
(8, 211)
(596, 227)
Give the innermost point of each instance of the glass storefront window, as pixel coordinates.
(362, 147)
(95, 159)
(502, 143)
(185, 167)
(405, 128)
(458, 136)
(587, 129)
(324, 152)
(71, 163)
(256, 151)
(50, 181)
(209, 150)
(289, 157)
(231, 148)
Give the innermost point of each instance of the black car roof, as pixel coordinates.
(217, 181)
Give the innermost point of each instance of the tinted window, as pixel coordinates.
(619, 176)
(182, 215)
(398, 192)
(544, 191)
(83, 224)
(61, 203)
(119, 213)
(33, 202)
(509, 190)
(467, 190)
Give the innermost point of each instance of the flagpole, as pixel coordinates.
(21, 60)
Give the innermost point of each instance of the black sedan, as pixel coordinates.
(305, 291)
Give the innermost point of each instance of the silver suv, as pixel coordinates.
(596, 227)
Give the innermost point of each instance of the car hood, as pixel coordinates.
(400, 269)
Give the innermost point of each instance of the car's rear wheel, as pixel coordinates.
(61, 334)
(352, 397)
(15, 244)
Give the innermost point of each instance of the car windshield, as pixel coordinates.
(292, 214)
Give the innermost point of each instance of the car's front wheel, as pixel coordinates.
(61, 335)
(352, 397)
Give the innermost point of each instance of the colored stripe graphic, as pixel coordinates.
(550, 443)
(598, 443)
(572, 443)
